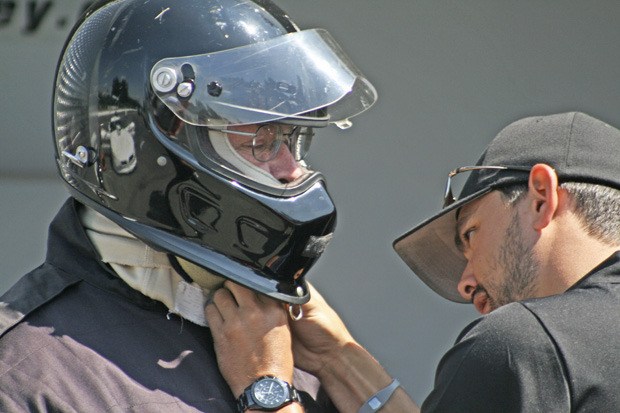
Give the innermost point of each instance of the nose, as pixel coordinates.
(467, 284)
(284, 167)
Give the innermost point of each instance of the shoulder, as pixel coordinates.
(503, 361)
(502, 341)
(30, 292)
(513, 324)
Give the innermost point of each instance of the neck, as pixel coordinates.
(149, 271)
(570, 255)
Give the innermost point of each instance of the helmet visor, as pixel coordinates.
(284, 77)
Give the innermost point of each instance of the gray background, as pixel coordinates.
(449, 74)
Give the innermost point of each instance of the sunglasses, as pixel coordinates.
(449, 198)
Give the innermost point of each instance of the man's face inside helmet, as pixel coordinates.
(272, 147)
(271, 153)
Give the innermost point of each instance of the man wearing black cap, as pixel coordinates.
(533, 241)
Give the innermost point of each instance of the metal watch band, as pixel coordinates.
(246, 400)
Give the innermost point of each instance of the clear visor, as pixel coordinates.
(284, 77)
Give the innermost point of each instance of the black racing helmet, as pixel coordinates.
(145, 93)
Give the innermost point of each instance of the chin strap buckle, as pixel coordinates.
(295, 316)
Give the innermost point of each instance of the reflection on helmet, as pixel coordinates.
(119, 140)
(143, 92)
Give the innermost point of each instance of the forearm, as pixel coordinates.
(355, 376)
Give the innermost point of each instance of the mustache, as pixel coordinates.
(479, 289)
(490, 300)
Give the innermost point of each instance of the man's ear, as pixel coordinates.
(542, 195)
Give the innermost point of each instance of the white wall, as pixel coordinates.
(450, 74)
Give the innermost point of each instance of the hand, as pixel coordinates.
(319, 336)
(323, 346)
(251, 336)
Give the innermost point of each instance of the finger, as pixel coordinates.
(225, 303)
(246, 296)
(312, 290)
(243, 295)
(213, 315)
(315, 296)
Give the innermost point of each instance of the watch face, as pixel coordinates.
(269, 392)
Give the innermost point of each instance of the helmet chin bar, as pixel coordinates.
(269, 252)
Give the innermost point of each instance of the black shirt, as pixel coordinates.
(553, 354)
(76, 338)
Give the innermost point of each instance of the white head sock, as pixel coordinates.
(149, 271)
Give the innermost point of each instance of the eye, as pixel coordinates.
(243, 147)
(263, 142)
(466, 235)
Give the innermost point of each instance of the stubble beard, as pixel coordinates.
(520, 268)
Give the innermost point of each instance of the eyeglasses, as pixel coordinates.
(268, 138)
(449, 199)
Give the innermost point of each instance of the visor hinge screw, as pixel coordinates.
(164, 79)
(185, 89)
(214, 89)
(83, 156)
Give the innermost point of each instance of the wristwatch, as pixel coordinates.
(267, 393)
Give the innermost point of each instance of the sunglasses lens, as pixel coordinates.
(457, 179)
(448, 198)
(454, 185)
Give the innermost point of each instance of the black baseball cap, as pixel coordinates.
(579, 147)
